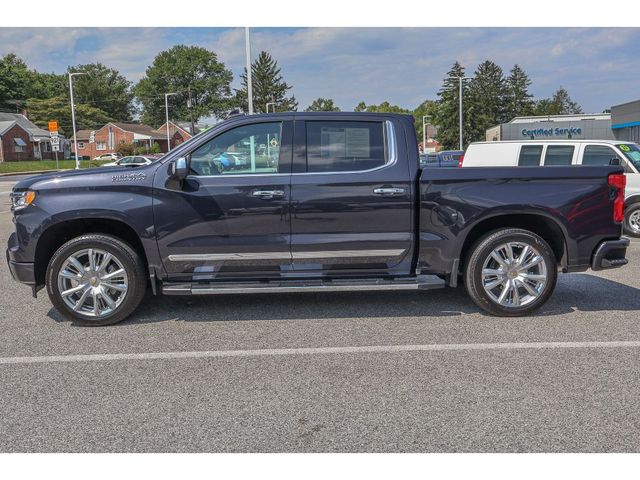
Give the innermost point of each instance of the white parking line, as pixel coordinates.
(316, 351)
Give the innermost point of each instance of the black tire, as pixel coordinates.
(127, 256)
(632, 227)
(481, 252)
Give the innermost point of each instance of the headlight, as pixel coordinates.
(20, 200)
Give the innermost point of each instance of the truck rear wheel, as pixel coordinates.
(510, 272)
(96, 280)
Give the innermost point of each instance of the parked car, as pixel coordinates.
(132, 161)
(346, 207)
(108, 156)
(563, 153)
(444, 158)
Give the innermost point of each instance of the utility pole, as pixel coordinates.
(247, 44)
(424, 132)
(460, 80)
(166, 111)
(189, 105)
(73, 116)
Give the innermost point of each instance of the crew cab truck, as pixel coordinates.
(325, 202)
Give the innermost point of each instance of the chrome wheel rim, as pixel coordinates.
(514, 274)
(634, 221)
(93, 282)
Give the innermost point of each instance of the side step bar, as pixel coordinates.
(421, 282)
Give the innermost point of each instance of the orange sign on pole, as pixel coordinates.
(53, 125)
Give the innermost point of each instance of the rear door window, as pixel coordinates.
(334, 146)
(598, 155)
(558, 155)
(530, 155)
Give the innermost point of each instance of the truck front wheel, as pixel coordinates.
(96, 280)
(510, 272)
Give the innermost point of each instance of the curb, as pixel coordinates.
(35, 172)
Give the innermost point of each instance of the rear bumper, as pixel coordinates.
(610, 254)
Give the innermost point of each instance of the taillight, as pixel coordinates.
(618, 181)
(460, 161)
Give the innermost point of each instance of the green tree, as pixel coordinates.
(268, 87)
(47, 85)
(322, 105)
(447, 111)
(183, 69)
(104, 88)
(15, 81)
(57, 108)
(560, 104)
(384, 107)
(487, 98)
(518, 99)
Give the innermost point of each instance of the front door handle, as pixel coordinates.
(388, 191)
(268, 194)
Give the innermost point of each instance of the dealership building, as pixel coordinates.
(623, 123)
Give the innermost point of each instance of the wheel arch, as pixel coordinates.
(541, 225)
(59, 233)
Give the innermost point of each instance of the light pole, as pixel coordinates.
(460, 80)
(73, 116)
(274, 106)
(424, 132)
(247, 45)
(166, 112)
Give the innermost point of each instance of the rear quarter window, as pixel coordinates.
(344, 146)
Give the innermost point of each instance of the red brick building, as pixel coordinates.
(108, 138)
(177, 134)
(15, 142)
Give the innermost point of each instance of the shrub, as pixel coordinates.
(125, 149)
(155, 148)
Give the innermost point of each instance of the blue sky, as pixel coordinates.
(599, 66)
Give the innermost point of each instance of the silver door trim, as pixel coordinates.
(319, 254)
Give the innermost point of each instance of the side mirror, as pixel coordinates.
(179, 168)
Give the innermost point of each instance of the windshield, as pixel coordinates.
(632, 152)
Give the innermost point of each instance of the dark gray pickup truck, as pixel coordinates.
(310, 202)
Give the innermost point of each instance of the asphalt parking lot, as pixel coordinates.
(410, 371)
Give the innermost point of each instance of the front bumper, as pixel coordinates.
(23, 272)
(610, 254)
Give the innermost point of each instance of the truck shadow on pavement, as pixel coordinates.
(576, 292)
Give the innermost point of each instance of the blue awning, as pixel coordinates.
(18, 141)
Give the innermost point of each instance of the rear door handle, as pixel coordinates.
(268, 194)
(388, 191)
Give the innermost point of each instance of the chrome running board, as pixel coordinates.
(421, 282)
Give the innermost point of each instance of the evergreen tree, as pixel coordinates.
(486, 102)
(322, 105)
(560, 104)
(447, 111)
(40, 111)
(268, 87)
(519, 101)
